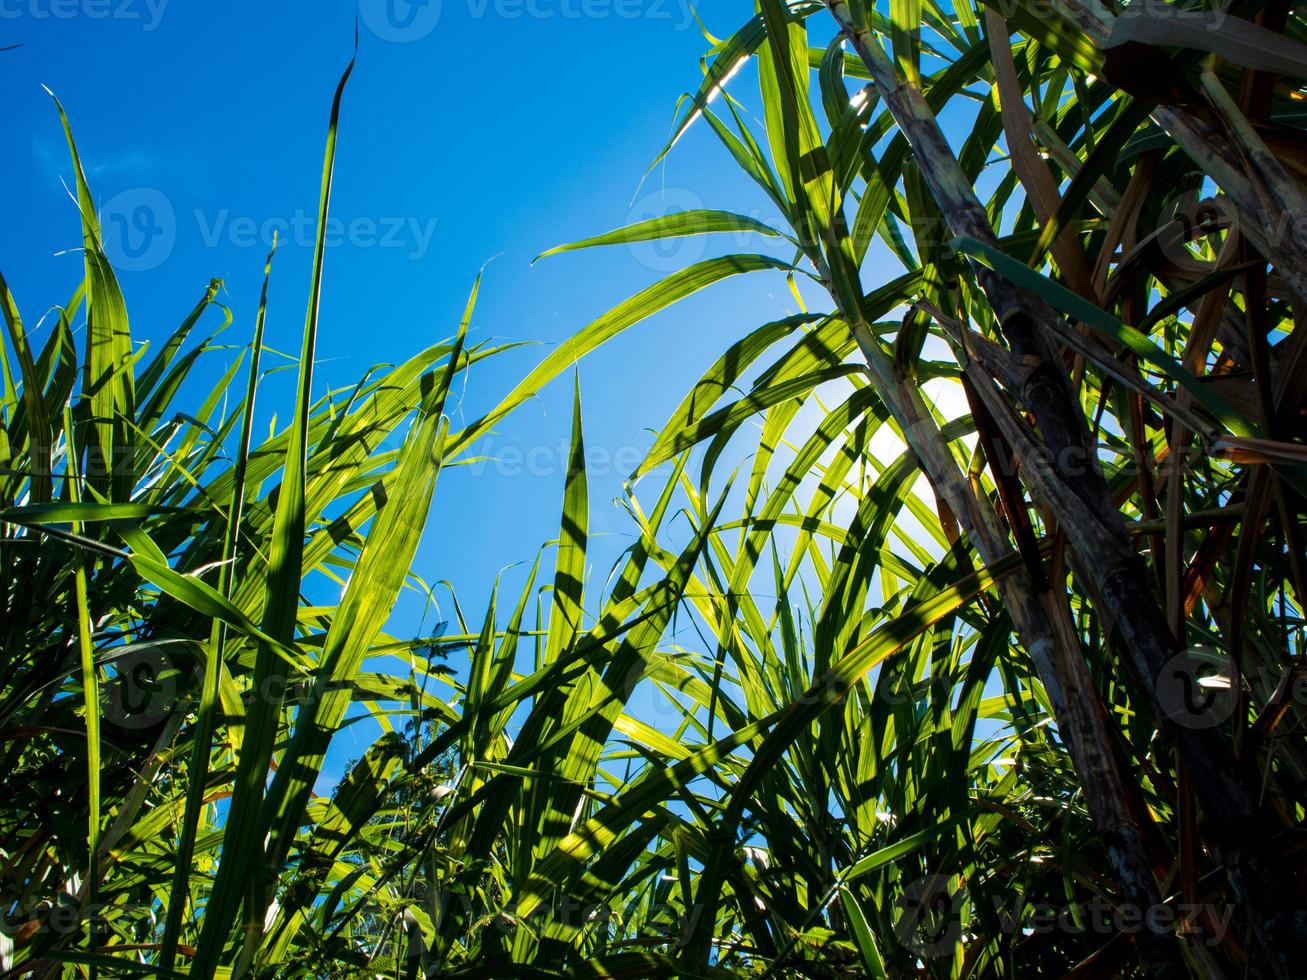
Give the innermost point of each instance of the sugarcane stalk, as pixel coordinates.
(1062, 466)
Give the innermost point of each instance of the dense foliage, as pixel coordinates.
(997, 661)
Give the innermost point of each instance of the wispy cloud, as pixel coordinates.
(132, 165)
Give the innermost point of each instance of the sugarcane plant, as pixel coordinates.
(960, 634)
(1119, 317)
(170, 692)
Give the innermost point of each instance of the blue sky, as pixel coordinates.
(494, 132)
(472, 130)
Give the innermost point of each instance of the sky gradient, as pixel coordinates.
(496, 131)
(472, 131)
